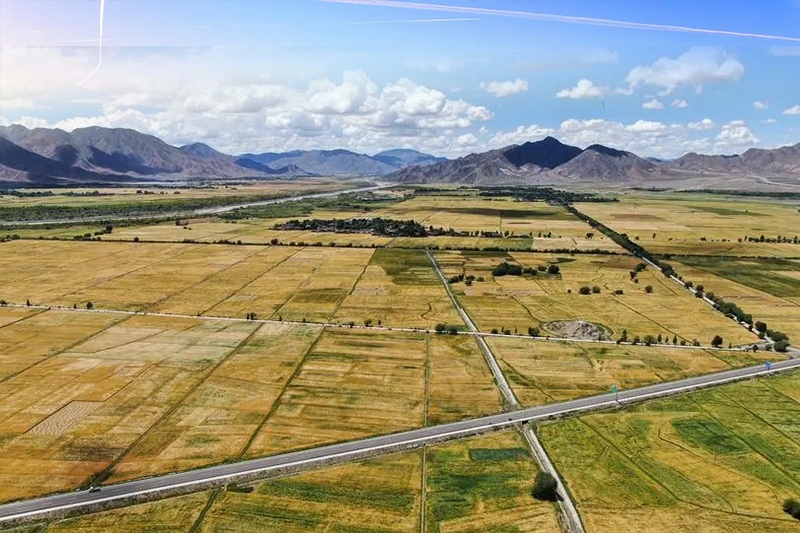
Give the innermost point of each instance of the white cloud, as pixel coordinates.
(645, 126)
(770, 121)
(785, 51)
(177, 97)
(520, 135)
(680, 104)
(653, 104)
(758, 104)
(7, 104)
(505, 88)
(735, 134)
(582, 90)
(705, 124)
(696, 67)
(792, 110)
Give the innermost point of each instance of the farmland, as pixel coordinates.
(132, 396)
(395, 287)
(479, 484)
(544, 300)
(720, 460)
(479, 222)
(546, 372)
(767, 288)
(702, 224)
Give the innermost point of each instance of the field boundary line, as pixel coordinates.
(353, 288)
(63, 350)
(163, 486)
(201, 281)
(212, 499)
(274, 407)
(253, 280)
(569, 514)
(106, 472)
(118, 276)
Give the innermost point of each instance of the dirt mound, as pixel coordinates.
(579, 329)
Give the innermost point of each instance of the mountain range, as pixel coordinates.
(44, 156)
(552, 162)
(95, 154)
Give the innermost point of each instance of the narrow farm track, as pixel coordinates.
(83, 502)
(571, 520)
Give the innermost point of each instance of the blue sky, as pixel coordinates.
(265, 75)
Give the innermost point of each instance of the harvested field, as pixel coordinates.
(701, 223)
(519, 302)
(720, 460)
(179, 391)
(460, 384)
(398, 288)
(545, 372)
(484, 484)
(352, 384)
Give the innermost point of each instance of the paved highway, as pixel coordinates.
(348, 451)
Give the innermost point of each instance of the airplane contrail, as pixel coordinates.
(99, 44)
(568, 19)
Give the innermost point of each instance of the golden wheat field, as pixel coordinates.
(543, 300)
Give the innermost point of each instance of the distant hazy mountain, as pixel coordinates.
(345, 162)
(325, 162)
(404, 157)
(758, 162)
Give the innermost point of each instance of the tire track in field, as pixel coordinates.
(740, 437)
(722, 466)
(253, 280)
(352, 289)
(203, 280)
(66, 349)
(106, 472)
(114, 278)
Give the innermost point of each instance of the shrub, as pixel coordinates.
(553, 270)
(648, 289)
(761, 327)
(545, 487)
(89, 305)
(792, 507)
(782, 346)
(494, 331)
(619, 292)
(440, 328)
(596, 289)
(585, 290)
(533, 332)
(452, 330)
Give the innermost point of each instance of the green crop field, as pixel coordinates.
(702, 224)
(544, 372)
(720, 460)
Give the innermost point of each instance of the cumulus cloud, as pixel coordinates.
(705, 124)
(239, 110)
(760, 105)
(697, 67)
(653, 104)
(680, 104)
(792, 110)
(735, 133)
(582, 90)
(505, 88)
